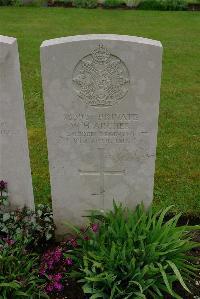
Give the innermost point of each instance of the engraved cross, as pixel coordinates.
(101, 172)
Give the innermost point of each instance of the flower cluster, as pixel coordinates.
(54, 265)
(57, 261)
(50, 259)
(55, 283)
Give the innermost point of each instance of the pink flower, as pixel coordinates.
(69, 261)
(95, 227)
(73, 242)
(9, 241)
(86, 238)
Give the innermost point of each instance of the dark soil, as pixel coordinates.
(194, 285)
(185, 219)
(72, 291)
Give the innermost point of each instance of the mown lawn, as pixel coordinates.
(177, 178)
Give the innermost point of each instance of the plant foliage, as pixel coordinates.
(85, 3)
(19, 271)
(5, 2)
(36, 227)
(163, 4)
(132, 254)
(22, 232)
(112, 3)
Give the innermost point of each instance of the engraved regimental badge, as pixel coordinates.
(101, 79)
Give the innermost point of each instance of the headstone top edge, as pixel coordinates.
(7, 40)
(92, 37)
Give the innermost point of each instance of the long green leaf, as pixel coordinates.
(178, 275)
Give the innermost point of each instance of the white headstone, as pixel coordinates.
(102, 97)
(14, 155)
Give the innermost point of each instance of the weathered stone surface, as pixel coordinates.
(14, 155)
(101, 103)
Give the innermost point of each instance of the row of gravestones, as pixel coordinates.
(101, 95)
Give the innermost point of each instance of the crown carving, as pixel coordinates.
(101, 79)
(100, 54)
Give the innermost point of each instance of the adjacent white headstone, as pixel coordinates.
(102, 97)
(14, 155)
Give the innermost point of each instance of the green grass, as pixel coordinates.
(177, 175)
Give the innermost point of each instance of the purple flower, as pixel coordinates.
(86, 238)
(57, 277)
(3, 185)
(57, 254)
(52, 257)
(42, 270)
(95, 227)
(49, 263)
(58, 286)
(49, 288)
(68, 261)
(55, 283)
